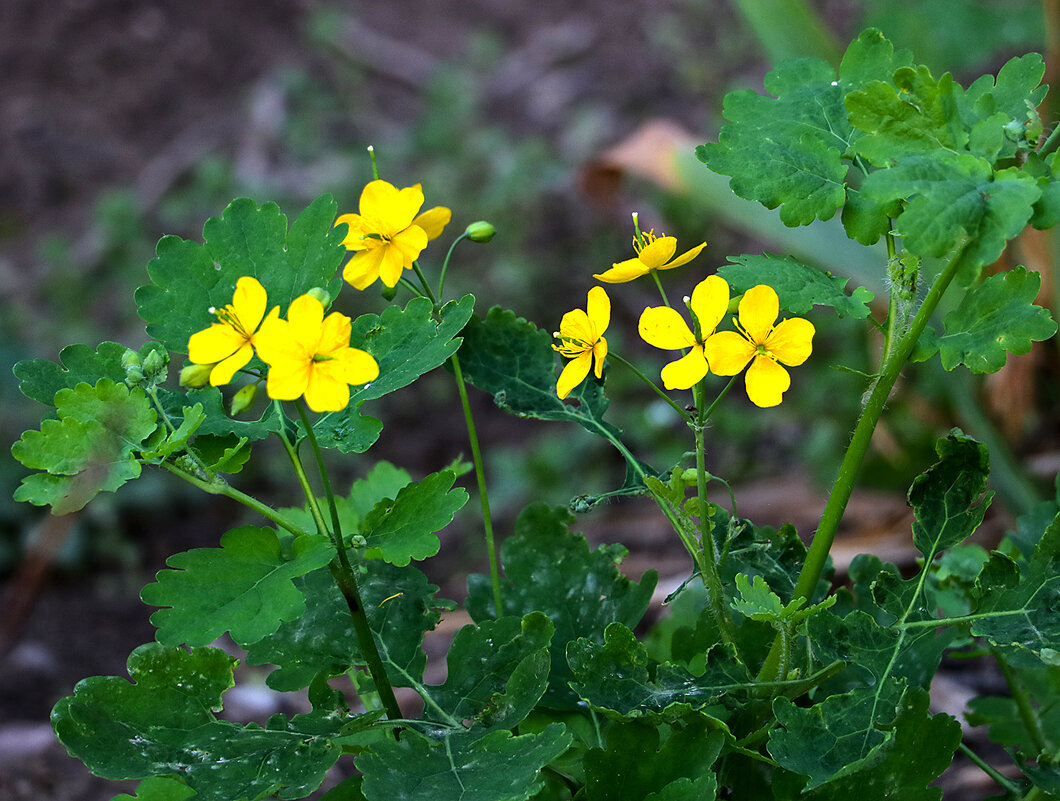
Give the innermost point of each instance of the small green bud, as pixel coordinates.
(155, 366)
(389, 292)
(480, 231)
(734, 304)
(358, 541)
(320, 294)
(131, 364)
(244, 399)
(195, 376)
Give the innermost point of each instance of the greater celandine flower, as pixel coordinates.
(665, 328)
(653, 253)
(581, 338)
(763, 342)
(389, 233)
(310, 354)
(229, 344)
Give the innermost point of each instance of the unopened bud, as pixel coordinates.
(196, 376)
(320, 294)
(480, 231)
(131, 364)
(734, 304)
(155, 366)
(244, 399)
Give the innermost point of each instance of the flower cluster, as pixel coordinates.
(759, 343)
(307, 353)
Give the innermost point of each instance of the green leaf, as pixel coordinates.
(1023, 619)
(464, 765)
(799, 286)
(243, 587)
(90, 447)
(158, 788)
(188, 279)
(512, 359)
(787, 150)
(498, 671)
(400, 605)
(218, 423)
(952, 197)
(639, 763)
(161, 725)
(919, 749)
(40, 379)
(349, 431)
(408, 342)
(950, 498)
(177, 440)
(550, 569)
(996, 317)
(404, 528)
(760, 603)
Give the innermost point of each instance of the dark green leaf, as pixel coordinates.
(498, 671)
(404, 528)
(243, 587)
(400, 606)
(188, 278)
(158, 788)
(349, 431)
(465, 765)
(550, 569)
(408, 342)
(799, 286)
(996, 317)
(40, 379)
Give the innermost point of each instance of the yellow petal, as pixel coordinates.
(305, 317)
(791, 342)
(573, 374)
(362, 270)
(687, 371)
(355, 232)
(274, 342)
(248, 303)
(622, 271)
(664, 328)
(727, 352)
(766, 382)
(325, 392)
(392, 265)
(598, 310)
(390, 208)
(212, 344)
(599, 355)
(226, 368)
(434, 220)
(655, 254)
(334, 334)
(288, 380)
(575, 330)
(409, 243)
(710, 300)
(758, 312)
(358, 366)
(684, 258)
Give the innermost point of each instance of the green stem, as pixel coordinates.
(300, 474)
(1008, 786)
(1023, 703)
(676, 407)
(480, 475)
(218, 487)
(423, 280)
(445, 264)
(817, 555)
(658, 283)
(710, 576)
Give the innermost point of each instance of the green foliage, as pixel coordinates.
(799, 286)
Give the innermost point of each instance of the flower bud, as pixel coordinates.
(196, 376)
(480, 231)
(131, 364)
(244, 399)
(155, 366)
(320, 294)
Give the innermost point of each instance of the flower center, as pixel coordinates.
(228, 316)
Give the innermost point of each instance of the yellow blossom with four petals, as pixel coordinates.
(229, 344)
(763, 342)
(310, 354)
(665, 328)
(581, 339)
(389, 233)
(653, 253)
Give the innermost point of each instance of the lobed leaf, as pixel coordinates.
(465, 765)
(550, 569)
(799, 286)
(40, 379)
(244, 587)
(158, 788)
(996, 317)
(246, 240)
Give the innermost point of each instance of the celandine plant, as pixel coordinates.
(764, 681)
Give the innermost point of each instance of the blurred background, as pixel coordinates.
(122, 121)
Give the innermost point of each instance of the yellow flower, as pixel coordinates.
(581, 336)
(310, 354)
(664, 328)
(654, 254)
(761, 339)
(387, 235)
(229, 344)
